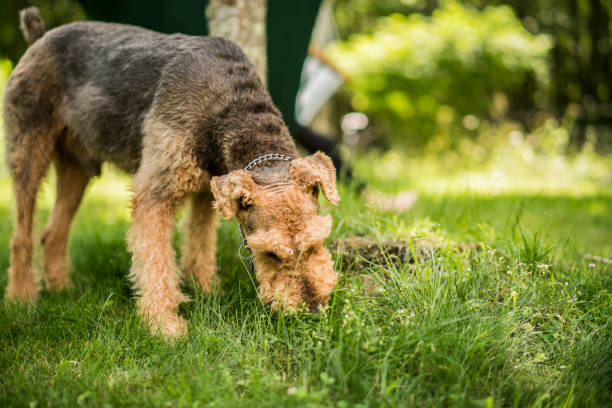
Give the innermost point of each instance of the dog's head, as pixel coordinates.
(281, 222)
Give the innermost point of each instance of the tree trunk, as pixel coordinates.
(244, 22)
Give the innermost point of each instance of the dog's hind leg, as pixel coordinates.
(199, 245)
(32, 127)
(28, 156)
(71, 183)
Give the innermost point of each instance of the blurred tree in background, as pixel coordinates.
(506, 74)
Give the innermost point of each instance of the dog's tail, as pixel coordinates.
(32, 25)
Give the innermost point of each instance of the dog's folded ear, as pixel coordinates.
(232, 191)
(317, 169)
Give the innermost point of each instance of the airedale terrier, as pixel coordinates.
(184, 115)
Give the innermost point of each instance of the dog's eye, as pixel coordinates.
(314, 190)
(273, 256)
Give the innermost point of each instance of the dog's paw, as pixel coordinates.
(169, 326)
(207, 282)
(23, 292)
(57, 281)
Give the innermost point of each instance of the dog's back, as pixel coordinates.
(100, 79)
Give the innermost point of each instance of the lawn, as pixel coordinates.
(521, 319)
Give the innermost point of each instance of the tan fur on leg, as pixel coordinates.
(71, 183)
(167, 174)
(154, 273)
(22, 284)
(199, 245)
(28, 162)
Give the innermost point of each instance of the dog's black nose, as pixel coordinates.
(313, 307)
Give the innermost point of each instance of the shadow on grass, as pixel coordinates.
(100, 265)
(100, 261)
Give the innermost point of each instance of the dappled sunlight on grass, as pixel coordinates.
(501, 184)
(107, 195)
(519, 317)
(395, 171)
(499, 159)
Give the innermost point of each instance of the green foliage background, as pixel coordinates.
(55, 12)
(544, 59)
(422, 73)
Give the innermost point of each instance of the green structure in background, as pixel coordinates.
(289, 28)
(290, 25)
(166, 16)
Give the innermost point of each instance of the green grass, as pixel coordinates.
(525, 321)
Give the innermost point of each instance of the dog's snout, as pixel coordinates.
(311, 299)
(313, 307)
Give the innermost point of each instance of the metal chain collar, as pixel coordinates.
(248, 259)
(266, 157)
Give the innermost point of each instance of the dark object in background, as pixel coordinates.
(365, 252)
(360, 256)
(313, 141)
(166, 16)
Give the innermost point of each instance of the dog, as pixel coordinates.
(189, 118)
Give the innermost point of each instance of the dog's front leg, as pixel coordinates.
(199, 244)
(154, 272)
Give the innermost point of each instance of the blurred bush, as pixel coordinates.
(422, 75)
(55, 12)
(5, 69)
